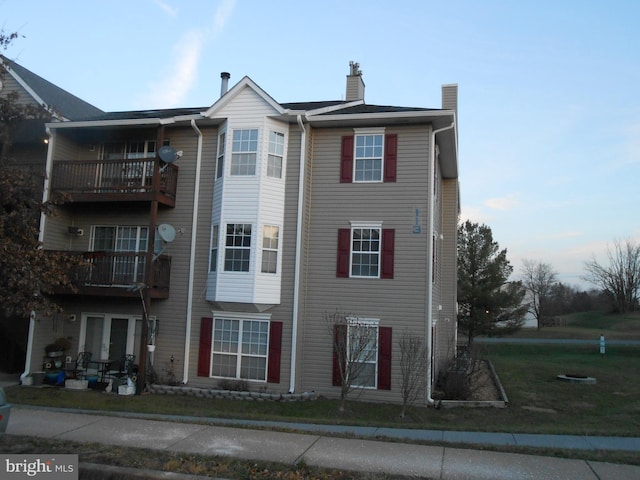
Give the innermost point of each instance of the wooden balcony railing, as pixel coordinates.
(119, 274)
(114, 181)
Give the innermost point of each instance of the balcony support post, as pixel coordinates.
(148, 274)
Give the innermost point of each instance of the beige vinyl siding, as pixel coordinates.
(448, 298)
(172, 313)
(292, 192)
(399, 302)
(10, 84)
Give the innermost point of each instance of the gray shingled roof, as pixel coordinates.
(76, 109)
(144, 114)
(296, 106)
(62, 102)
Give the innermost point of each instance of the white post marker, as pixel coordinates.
(602, 346)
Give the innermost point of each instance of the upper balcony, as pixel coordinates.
(134, 180)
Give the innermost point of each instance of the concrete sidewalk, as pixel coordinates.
(313, 445)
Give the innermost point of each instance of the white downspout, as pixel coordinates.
(47, 181)
(298, 260)
(43, 218)
(27, 362)
(192, 258)
(431, 201)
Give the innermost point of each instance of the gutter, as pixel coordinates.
(298, 260)
(192, 258)
(430, 250)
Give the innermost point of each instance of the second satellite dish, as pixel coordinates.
(166, 232)
(168, 154)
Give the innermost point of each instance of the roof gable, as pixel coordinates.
(235, 91)
(45, 93)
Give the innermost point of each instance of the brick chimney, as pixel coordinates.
(355, 85)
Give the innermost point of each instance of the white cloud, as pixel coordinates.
(166, 8)
(560, 235)
(504, 203)
(223, 13)
(473, 214)
(179, 78)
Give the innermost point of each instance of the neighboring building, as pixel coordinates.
(28, 150)
(237, 227)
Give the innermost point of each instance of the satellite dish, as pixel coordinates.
(166, 232)
(168, 154)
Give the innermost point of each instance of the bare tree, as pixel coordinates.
(538, 279)
(621, 278)
(413, 368)
(354, 352)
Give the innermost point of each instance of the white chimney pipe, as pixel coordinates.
(225, 76)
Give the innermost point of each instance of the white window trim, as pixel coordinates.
(368, 131)
(365, 225)
(222, 155)
(251, 248)
(256, 317)
(257, 152)
(214, 244)
(368, 323)
(283, 156)
(269, 249)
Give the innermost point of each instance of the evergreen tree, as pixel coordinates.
(489, 303)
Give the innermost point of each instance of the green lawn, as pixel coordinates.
(589, 325)
(539, 403)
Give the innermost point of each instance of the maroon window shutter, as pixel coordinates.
(388, 247)
(344, 252)
(339, 346)
(384, 358)
(346, 160)
(204, 352)
(275, 350)
(390, 157)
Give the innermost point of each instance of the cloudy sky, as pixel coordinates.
(549, 97)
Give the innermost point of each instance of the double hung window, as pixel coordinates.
(222, 138)
(270, 249)
(237, 251)
(276, 154)
(365, 251)
(244, 151)
(240, 349)
(362, 351)
(362, 348)
(213, 260)
(368, 158)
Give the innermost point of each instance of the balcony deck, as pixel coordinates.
(139, 180)
(118, 274)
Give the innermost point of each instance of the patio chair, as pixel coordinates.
(127, 367)
(82, 363)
